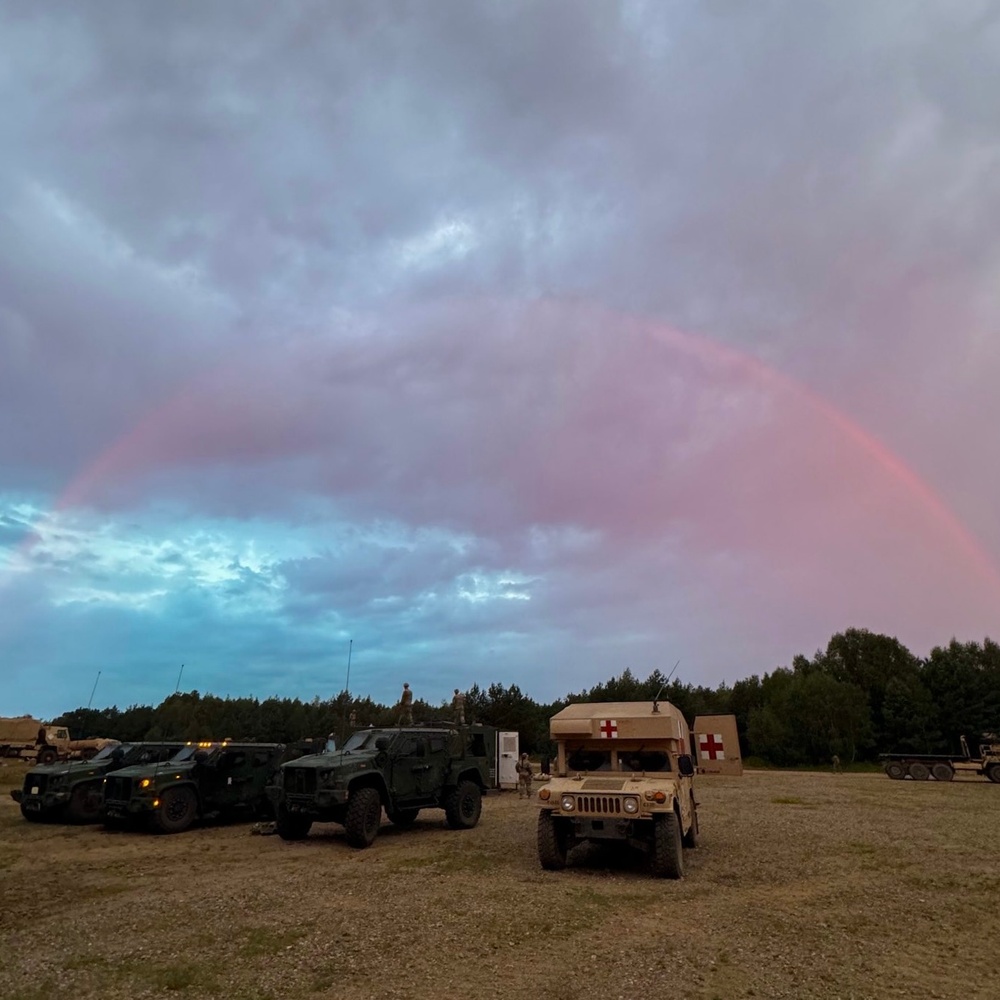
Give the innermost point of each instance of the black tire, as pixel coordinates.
(32, 815)
(47, 756)
(85, 804)
(364, 814)
(993, 773)
(942, 771)
(463, 806)
(553, 841)
(402, 817)
(919, 771)
(896, 770)
(178, 809)
(293, 826)
(667, 859)
(690, 839)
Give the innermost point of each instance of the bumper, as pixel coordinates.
(118, 809)
(40, 803)
(321, 801)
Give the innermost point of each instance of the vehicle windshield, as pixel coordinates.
(629, 761)
(187, 753)
(106, 753)
(331, 745)
(364, 739)
(582, 759)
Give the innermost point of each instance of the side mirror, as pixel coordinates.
(200, 756)
(685, 765)
(382, 743)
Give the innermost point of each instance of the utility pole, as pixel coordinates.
(179, 672)
(347, 693)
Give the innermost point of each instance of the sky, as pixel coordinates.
(507, 342)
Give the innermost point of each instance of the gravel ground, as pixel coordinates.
(804, 886)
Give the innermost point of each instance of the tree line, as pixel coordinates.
(865, 694)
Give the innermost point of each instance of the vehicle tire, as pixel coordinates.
(47, 756)
(85, 805)
(896, 770)
(942, 771)
(919, 771)
(993, 773)
(402, 817)
(667, 859)
(553, 841)
(364, 814)
(32, 816)
(463, 806)
(293, 826)
(177, 810)
(690, 839)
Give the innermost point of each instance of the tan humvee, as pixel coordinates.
(624, 772)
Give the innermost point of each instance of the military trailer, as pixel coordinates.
(624, 774)
(74, 791)
(201, 781)
(402, 770)
(944, 767)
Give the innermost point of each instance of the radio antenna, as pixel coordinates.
(656, 700)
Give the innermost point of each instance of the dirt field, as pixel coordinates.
(805, 885)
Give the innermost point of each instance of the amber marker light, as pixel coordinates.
(544, 793)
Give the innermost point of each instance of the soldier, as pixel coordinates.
(458, 707)
(524, 775)
(353, 719)
(836, 762)
(406, 706)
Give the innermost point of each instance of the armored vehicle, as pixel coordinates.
(624, 773)
(75, 791)
(402, 770)
(943, 767)
(201, 781)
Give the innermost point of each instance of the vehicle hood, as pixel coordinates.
(338, 760)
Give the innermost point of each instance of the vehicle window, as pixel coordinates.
(645, 760)
(408, 746)
(106, 753)
(437, 744)
(589, 760)
(364, 739)
(261, 758)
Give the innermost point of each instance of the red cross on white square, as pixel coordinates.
(710, 745)
(609, 729)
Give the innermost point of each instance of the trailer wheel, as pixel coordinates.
(993, 773)
(896, 770)
(919, 771)
(943, 772)
(47, 756)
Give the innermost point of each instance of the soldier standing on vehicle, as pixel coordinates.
(406, 706)
(523, 768)
(458, 707)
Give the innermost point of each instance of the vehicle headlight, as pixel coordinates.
(145, 783)
(568, 803)
(631, 805)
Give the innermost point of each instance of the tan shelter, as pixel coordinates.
(717, 745)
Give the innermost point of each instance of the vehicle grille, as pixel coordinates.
(300, 780)
(604, 805)
(38, 781)
(118, 789)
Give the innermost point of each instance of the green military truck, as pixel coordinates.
(202, 781)
(402, 770)
(75, 791)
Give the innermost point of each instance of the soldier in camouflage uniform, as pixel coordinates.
(458, 707)
(524, 776)
(406, 706)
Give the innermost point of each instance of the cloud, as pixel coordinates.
(580, 333)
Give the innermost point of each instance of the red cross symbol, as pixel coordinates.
(710, 745)
(609, 729)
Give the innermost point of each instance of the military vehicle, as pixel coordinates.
(201, 781)
(944, 767)
(402, 770)
(30, 739)
(75, 791)
(623, 774)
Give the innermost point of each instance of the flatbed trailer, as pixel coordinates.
(944, 767)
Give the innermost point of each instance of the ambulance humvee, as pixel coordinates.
(624, 772)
